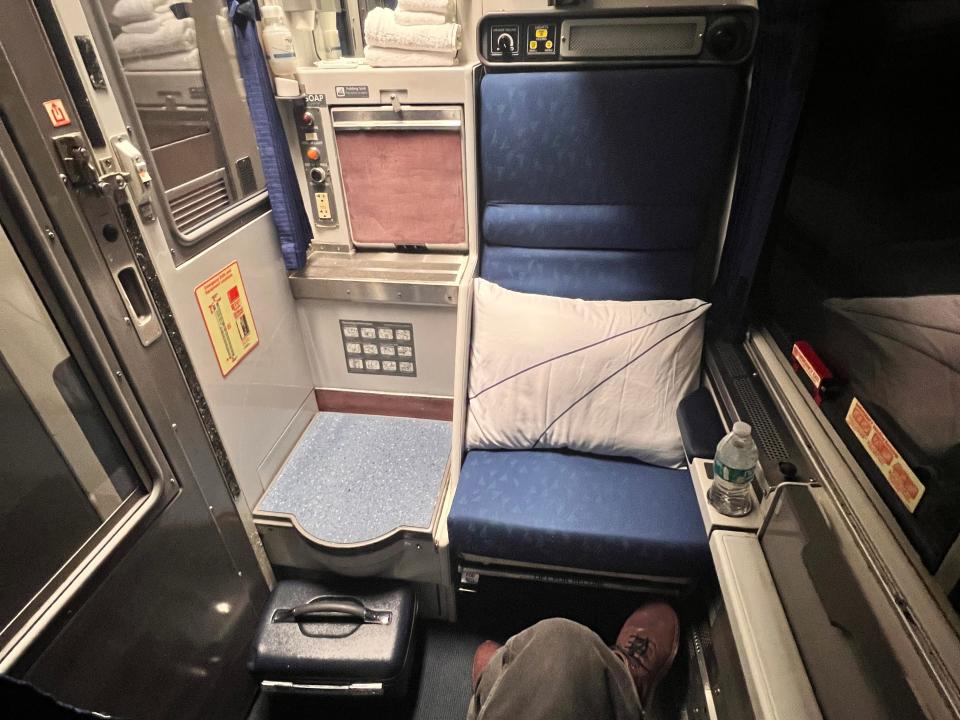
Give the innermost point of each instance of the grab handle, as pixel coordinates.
(332, 608)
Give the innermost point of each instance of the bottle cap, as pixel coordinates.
(742, 429)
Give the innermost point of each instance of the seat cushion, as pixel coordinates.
(591, 274)
(580, 511)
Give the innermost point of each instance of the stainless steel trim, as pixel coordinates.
(373, 291)
(397, 278)
(442, 117)
(372, 125)
(282, 686)
(699, 23)
(484, 563)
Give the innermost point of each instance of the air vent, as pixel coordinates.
(196, 202)
(632, 37)
(764, 429)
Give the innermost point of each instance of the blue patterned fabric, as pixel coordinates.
(573, 510)
(613, 160)
(601, 185)
(655, 137)
(589, 274)
(606, 227)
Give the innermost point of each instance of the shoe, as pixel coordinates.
(647, 645)
(481, 658)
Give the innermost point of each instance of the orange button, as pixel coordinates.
(313, 153)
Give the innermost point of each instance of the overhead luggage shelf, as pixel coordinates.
(355, 480)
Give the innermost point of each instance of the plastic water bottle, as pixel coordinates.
(734, 466)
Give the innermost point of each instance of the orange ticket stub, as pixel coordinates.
(898, 474)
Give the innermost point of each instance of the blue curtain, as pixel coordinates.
(783, 61)
(289, 215)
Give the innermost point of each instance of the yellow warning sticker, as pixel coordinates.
(226, 314)
(898, 474)
(323, 205)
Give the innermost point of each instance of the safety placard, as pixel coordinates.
(226, 314)
(898, 474)
(57, 113)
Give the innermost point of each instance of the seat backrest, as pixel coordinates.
(606, 184)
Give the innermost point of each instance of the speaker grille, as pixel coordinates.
(632, 37)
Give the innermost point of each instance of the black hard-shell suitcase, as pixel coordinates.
(352, 639)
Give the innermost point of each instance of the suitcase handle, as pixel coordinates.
(332, 608)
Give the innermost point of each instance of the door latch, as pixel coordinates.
(79, 170)
(75, 160)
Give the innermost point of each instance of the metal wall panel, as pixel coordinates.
(253, 405)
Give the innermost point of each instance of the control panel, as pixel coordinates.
(521, 39)
(379, 348)
(308, 116)
(723, 36)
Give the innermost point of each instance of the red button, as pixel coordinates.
(307, 119)
(313, 153)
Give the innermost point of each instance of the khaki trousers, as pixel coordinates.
(555, 670)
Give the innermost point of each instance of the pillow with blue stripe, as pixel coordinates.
(602, 376)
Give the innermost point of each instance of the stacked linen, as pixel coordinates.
(153, 38)
(417, 34)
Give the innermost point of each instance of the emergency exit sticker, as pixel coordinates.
(898, 474)
(57, 113)
(226, 314)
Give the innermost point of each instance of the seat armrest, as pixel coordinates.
(700, 425)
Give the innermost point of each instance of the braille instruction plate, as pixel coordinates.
(378, 348)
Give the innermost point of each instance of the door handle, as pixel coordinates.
(139, 310)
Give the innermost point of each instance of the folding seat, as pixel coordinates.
(602, 185)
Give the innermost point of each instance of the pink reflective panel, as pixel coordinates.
(403, 187)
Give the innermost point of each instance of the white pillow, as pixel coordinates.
(601, 377)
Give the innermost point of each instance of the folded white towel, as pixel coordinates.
(434, 6)
(389, 57)
(189, 60)
(128, 11)
(381, 30)
(408, 17)
(153, 24)
(172, 36)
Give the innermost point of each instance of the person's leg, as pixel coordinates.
(555, 670)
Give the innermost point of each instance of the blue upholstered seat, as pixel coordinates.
(601, 185)
(578, 511)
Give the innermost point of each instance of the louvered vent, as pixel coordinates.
(194, 203)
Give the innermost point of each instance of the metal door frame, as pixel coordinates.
(51, 228)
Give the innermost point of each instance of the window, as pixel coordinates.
(179, 61)
(863, 258)
(64, 471)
